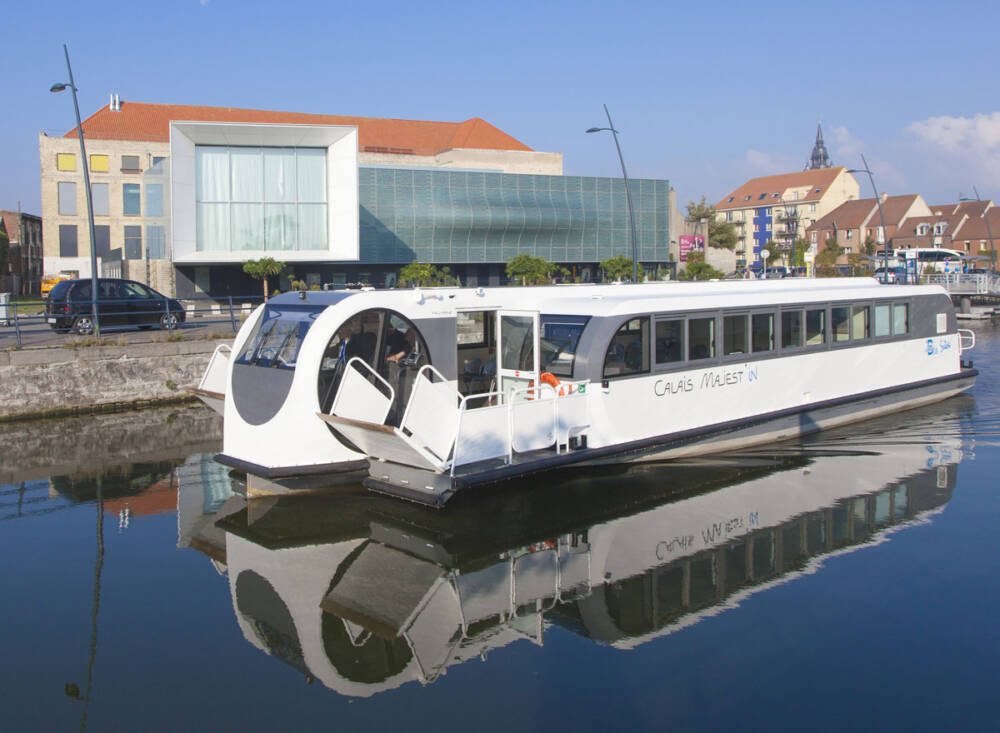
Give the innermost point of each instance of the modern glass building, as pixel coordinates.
(185, 195)
(474, 220)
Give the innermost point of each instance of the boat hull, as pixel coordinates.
(435, 489)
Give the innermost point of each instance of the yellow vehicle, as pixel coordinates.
(49, 281)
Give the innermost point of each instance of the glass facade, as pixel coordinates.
(253, 198)
(445, 216)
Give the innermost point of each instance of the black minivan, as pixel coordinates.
(120, 304)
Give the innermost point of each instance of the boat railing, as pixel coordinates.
(546, 415)
(432, 412)
(358, 397)
(217, 372)
(966, 339)
(483, 431)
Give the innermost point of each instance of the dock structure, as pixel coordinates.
(968, 284)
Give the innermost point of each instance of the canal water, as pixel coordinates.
(847, 581)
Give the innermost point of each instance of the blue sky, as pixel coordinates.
(705, 95)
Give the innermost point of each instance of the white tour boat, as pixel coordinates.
(431, 391)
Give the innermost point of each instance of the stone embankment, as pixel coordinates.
(66, 381)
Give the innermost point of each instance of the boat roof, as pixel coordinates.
(620, 299)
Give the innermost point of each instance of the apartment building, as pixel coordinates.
(773, 211)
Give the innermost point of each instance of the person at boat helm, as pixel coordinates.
(398, 345)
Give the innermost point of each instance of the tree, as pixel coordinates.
(799, 248)
(425, 274)
(826, 260)
(264, 268)
(417, 273)
(619, 267)
(698, 269)
(530, 269)
(721, 234)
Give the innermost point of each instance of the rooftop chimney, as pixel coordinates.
(116, 103)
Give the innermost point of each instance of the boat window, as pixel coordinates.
(900, 319)
(882, 324)
(560, 335)
(840, 324)
(762, 331)
(669, 341)
(734, 335)
(278, 336)
(628, 352)
(862, 322)
(384, 340)
(701, 338)
(517, 343)
(815, 327)
(791, 329)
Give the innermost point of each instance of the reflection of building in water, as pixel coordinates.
(366, 594)
(203, 490)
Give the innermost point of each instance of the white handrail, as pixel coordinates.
(353, 361)
(430, 368)
(966, 339)
(462, 407)
(540, 388)
(219, 350)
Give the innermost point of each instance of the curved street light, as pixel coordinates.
(86, 183)
(628, 190)
(988, 231)
(878, 200)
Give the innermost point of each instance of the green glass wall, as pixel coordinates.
(446, 216)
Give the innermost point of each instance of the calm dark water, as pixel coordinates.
(845, 582)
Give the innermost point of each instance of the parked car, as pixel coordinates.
(895, 275)
(775, 273)
(120, 304)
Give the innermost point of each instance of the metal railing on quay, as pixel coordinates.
(38, 323)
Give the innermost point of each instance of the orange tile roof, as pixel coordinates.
(975, 227)
(151, 122)
(778, 184)
(849, 215)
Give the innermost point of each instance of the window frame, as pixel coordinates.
(645, 366)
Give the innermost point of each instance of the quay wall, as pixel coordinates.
(66, 381)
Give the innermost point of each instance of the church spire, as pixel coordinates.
(820, 157)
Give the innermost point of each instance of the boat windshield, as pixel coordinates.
(278, 336)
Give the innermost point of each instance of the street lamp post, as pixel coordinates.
(988, 230)
(86, 182)
(878, 200)
(628, 190)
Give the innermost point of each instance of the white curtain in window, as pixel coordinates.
(279, 174)
(279, 226)
(311, 170)
(213, 228)
(211, 173)
(247, 174)
(248, 226)
(154, 199)
(312, 226)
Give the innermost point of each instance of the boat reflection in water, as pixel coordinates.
(367, 593)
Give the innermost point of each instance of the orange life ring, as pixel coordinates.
(545, 378)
